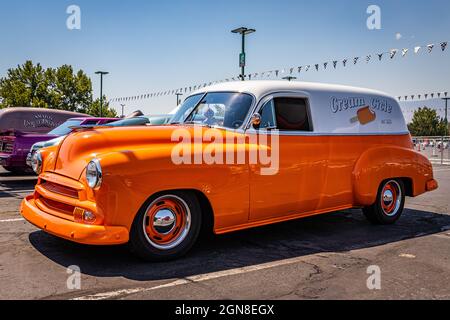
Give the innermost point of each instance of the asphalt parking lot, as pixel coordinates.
(324, 257)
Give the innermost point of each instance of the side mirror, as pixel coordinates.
(256, 120)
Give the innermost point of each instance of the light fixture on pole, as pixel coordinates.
(243, 31)
(101, 73)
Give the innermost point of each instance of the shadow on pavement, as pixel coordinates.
(337, 232)
(13, 185)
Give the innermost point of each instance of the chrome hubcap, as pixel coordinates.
(167, 222)
(164, 221)
(391, 198)
(388, 197)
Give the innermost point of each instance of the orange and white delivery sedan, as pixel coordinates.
(237, 155)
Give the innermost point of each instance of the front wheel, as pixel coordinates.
(166, 227)
(389, 205)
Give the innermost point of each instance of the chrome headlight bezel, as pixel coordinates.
(36, 162)
(94, 174)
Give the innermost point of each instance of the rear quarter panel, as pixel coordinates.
(386, 162)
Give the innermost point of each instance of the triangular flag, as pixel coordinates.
(432, 95)
(317, 67)
(393, 52)
(276, 72)
(344, 62)
(380, 56)
(325, 65)
(299, 69)
(368, 58)
(412, 97)
(443, 46)
(404, 52)
(307, 67)
(430, 47)
(439, 94)
(406, 97)
(335, 64)
(355, 60)
(445, 94)
(291, 70)
(426, 95)
(417, 49)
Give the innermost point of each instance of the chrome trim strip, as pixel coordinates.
(324, 134)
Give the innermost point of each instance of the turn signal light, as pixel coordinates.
(84, 216)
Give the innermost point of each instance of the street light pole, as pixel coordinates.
(101, 73)
(178, 98)
(243, 31)
(123, 109)
(446, 109)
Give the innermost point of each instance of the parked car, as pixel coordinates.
(157, 120)
(55, 136)
(20, 128)
(132, 120)
(331, 148)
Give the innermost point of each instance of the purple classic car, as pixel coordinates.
(20, 128)
(55, 136)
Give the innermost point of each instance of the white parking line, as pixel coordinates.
(12, 220)
(191, 279)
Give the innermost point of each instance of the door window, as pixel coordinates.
(285, 114)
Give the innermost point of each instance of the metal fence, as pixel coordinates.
(437, 149)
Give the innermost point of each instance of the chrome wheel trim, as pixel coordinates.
(388, 198)
(164, 221)
(184, 232)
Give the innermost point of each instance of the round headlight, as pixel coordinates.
(36, 162)
(94, 174)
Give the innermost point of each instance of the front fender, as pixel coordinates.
(387, 162)
(130, 177)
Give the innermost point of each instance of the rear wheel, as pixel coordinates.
(166, 227)
(389, 205)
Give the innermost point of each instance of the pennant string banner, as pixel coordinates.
(431, 95)
(280, 73)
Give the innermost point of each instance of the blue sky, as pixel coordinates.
(150, 46)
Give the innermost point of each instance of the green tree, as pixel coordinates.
(107, 112)
(31, 85)
(27, 85)
(426, 122)
(70, 91)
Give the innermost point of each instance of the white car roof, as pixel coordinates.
(263, 87)
(334, 109)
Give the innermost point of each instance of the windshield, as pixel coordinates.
(186, 108)
(227, 110)
(64, 129)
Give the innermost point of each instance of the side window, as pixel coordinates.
(291, 114)
(267, 113)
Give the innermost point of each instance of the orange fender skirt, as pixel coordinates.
(76, 232)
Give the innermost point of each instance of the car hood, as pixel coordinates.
(79, 148)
